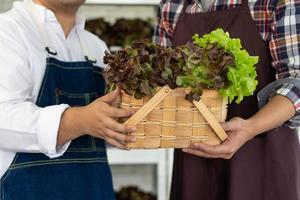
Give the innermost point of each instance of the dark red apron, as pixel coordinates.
(267, 167)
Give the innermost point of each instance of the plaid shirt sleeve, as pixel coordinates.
(161, 35)
(292, 92)
(285, 50)
(167, 16)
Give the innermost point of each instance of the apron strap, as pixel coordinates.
(183, 11)
(45, 37)
(38, 23)
(245, 4)
(85, 51)
(185, 5)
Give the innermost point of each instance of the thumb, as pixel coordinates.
(230, 125)
(111, 97)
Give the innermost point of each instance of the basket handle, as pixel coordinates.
(149, 106)
(210, 118)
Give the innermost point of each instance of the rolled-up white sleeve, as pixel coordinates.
(24, 127)
(47, 129)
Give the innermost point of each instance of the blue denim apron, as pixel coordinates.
(82, 173)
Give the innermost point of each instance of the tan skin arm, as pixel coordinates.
(279, 110)
(98, 120)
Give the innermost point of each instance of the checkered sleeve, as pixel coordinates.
(285, 50)
(167, 17)
(292, 92)
(161, 36)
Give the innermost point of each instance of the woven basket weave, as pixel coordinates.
(174, 122)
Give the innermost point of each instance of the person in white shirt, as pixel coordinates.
(53, 120)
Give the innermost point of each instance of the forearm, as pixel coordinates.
(70, 126)
(276, 112)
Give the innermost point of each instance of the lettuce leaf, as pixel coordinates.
(241, 76)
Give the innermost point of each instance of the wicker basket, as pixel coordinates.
(167, 120)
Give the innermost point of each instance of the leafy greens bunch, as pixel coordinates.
(214, 61)
(241, 74)
(141, 68)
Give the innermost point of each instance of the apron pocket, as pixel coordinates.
(74, 99)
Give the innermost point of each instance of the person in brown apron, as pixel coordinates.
(260, 166)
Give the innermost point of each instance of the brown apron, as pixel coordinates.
(267, 167)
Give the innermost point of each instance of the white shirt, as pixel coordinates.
(24, 127)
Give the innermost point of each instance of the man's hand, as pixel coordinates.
(239, 132)
(97, 119)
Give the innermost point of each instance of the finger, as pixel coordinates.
(119, 113)
(124, 139)
(111, 97)
(229, 126)
(202, 154)
(117, 144)
(117, 127)
(222, 149)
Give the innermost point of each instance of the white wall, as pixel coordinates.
(111, 13)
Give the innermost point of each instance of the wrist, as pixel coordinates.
(70, 126)
(77, 124)
(251, 126)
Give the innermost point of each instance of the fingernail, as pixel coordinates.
(132, 129)
(132, 139)
(185, 150)
(196, 145)
(133, 112)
